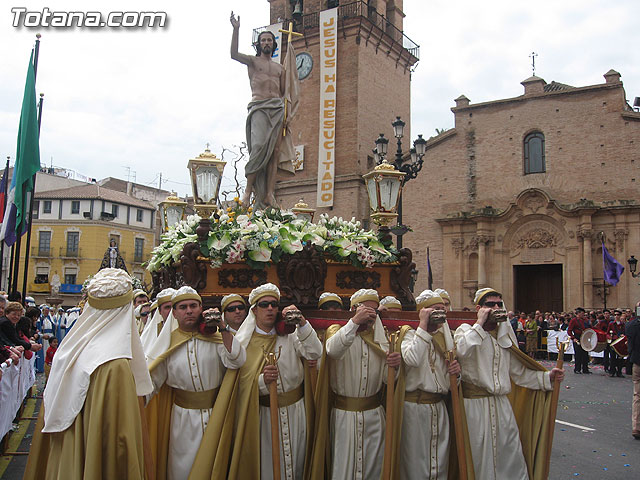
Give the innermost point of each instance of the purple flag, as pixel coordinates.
(610, 266)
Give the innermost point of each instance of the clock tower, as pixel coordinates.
(368, 87)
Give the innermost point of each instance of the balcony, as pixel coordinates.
(66, 252)
(70, 288)
(39, 287)
(40, 252)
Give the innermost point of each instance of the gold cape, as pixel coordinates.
(104, 440)
(398, 408)
(532, 409)
(158, 410)
(318, 462)
(230, 447)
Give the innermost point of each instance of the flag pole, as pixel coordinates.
(33, 193)
(4, 191)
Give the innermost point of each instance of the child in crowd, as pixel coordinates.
(51, 351)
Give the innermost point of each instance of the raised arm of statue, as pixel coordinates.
(240, 57)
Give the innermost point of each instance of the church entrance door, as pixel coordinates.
(538, 287)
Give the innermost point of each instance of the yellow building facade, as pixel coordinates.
(72, 230)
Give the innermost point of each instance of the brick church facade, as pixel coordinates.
(514, 196)
(518, 192)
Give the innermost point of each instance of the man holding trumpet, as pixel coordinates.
(424, 448)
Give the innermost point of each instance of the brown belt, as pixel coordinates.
(469, 390)
(195, 400)
(356, 404)
(285, 399)
(422, 397)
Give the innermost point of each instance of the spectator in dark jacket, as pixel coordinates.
(633, 338)
(12, 313)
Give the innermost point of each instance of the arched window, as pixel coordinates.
(533, 148)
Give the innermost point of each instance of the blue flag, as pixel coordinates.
(27, 164)
(610, 266)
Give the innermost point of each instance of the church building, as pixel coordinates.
(519, 195)
(526, 190)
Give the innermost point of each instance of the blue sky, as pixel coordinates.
(147, 100)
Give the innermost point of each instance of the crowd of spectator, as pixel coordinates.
(530, 327)
(28, 330)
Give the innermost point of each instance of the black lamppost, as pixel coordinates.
(411, 168)
(633, 264)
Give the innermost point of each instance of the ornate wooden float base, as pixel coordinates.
(301, 277)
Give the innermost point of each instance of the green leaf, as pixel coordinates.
(219, 244)
(290, 246)
(262, 254)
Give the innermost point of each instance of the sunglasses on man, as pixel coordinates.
(233, 308)
(265, 304)
(493, 304)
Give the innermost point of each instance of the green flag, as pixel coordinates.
(27, 163)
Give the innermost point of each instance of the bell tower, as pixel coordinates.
(373, 61)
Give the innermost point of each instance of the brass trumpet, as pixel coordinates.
(438, 317)
(499, 315)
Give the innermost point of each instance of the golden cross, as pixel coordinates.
(290, 32)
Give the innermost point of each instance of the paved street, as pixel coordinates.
(604, 449)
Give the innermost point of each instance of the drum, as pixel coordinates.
(621, 346)
(593, 340)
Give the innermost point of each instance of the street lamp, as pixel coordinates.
(206, 176)
(384, 188)
(302, 211)
(171, 211)
(411, 168)
(633, 264)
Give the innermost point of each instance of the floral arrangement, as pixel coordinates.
(257, 238)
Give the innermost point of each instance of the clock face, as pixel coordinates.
(304, 64)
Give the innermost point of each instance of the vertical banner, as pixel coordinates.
(327, 134)
(275, 29)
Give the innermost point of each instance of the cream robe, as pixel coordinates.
(304, 343)
(424, 447)
(197, 366)
(357, 438)
(493, 432)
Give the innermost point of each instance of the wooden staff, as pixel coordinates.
(457, 419)
(554, 406)
(388, 437)
(149, 464)
(272, 359)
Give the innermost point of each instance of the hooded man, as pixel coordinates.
(47, 325)
(424, 447)
(357, 355)
(490, 361)
(444, 295)
(154, 326)
(141, 312)
(390, 303)
(248, 407)
(330, 301)
(190, 365)
(90, 425)
(234, 308)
